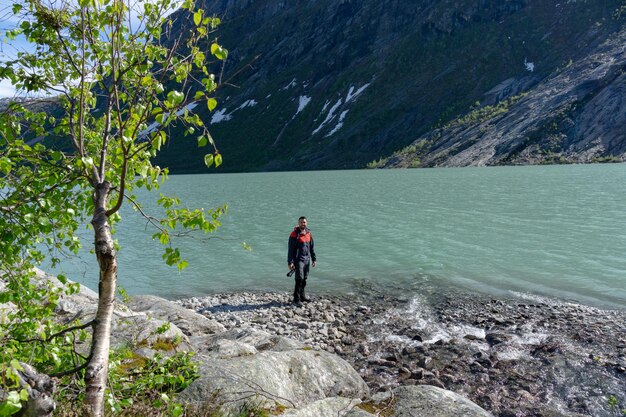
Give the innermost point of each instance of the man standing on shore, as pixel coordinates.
(301, 252)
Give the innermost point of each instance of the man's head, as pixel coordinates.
(302, 223)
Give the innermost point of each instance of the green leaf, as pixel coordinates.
(5, 165)
(202, 141)
(177, 410)
(11, 404)
(15, 364)
(197, 17)
(218, 51)
(218, 160)
(158, 139)
(208, 160)
(24, 394)
(16, 8)
(175, 97)
(88, 161)
(211, 104)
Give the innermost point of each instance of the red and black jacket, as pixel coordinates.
(301, 246)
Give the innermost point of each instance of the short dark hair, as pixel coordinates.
(302, 218)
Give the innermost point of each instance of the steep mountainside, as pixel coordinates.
(325, 84)
(576, 115)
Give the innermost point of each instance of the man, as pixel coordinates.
(301, 252)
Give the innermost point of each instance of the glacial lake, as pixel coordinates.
(542, 231)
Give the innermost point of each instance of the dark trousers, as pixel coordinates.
(302, 272)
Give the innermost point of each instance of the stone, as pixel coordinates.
(334, 406)
(189, 322)
(143, 330)
(292, 378)
(426, 400)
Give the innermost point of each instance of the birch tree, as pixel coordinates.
(122, 74)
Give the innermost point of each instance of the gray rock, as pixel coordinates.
(259, 339)
(429, 401)
(142, 330)
(576, 115)
(225, 348)
(358, 412)
(293, 378)
(190, 322)
(334, 406)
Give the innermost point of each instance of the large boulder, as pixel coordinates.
(190, 322)
(240, 371)
(141, 330)
(430, 401)
(417, 401)
(244, 338)
(333, 406)
(150, 324)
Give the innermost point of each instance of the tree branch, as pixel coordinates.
(72, 371)
(55, 335)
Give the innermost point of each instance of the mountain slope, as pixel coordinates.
(576, 115)
(337, 84)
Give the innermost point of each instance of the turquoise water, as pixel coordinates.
(555, 231)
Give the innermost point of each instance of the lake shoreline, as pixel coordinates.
(512, 355)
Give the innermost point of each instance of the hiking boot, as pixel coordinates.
(297, 303)
(304, 298)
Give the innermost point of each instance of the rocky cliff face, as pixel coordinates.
(577, 114)
(336, 84)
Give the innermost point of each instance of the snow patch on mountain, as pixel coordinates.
(247, 103)
(302, 103)
(330, 116)
(290, 85)
(339, 124)
(351, 96)
(530, 66)
(220, 116)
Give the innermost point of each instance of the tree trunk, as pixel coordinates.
(97, 369)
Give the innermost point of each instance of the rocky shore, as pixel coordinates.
(433, 352)
(513, 356)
